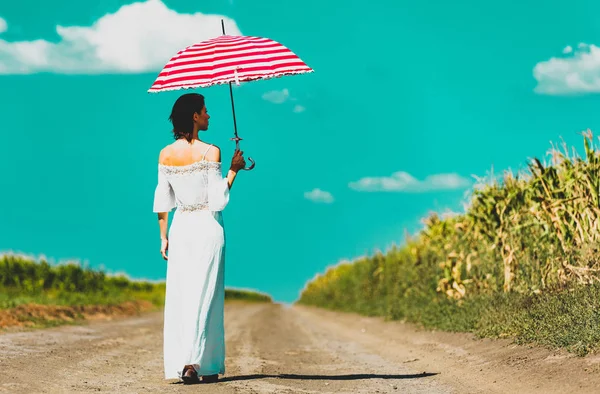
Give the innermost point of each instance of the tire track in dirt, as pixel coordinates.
(281, 353)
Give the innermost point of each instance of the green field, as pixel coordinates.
(27, 282)
(521, 261)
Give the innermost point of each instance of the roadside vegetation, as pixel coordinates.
(36, 293)
(522, 261)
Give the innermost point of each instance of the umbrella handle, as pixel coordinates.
(237, 148)
(251, 165)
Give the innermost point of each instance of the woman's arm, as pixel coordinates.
(163, 222)
(164, 201)
(231, 177)
(237, 163)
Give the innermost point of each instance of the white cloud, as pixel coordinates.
(282, 96)
(568, 49)
(139, 37)
(318, 195)
(404, 182)
(3, 25)
(579, 72)
(277, 96)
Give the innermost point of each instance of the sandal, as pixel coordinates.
(210, 378)
(189, 375)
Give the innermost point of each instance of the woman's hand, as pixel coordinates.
(164, 246)
(237, 162)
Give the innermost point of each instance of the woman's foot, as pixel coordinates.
(189, 375)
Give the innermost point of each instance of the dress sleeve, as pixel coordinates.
(164, 197)
(218, 189)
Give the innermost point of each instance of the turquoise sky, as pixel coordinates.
(433, 91)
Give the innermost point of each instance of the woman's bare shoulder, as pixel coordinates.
(165, 155)
(213, 153)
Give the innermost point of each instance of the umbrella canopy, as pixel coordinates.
(227, 59)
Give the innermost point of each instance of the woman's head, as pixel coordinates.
(189, 114)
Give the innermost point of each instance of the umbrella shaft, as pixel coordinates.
(237, 142)
(237, 139)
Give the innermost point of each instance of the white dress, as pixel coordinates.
(195, 293)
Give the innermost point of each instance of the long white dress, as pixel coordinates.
(195, 293)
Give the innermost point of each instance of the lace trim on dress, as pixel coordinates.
(190, 168)
(203, 206)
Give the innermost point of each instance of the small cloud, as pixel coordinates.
(575, 74)
(3, 25)
(318, 195)
(282, 96)
(138, 37)
(277, 96)
(404, 182)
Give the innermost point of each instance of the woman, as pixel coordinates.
(190, 178)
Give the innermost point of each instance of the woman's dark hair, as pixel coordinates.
(182, 114)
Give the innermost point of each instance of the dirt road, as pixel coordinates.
(279, 349)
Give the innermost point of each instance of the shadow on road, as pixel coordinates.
(325, 377)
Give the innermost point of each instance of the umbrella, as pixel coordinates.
(228, 59)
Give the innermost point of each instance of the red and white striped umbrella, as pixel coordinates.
(227, 59)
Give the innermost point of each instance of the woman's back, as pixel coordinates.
(182, 153)
(190, 177)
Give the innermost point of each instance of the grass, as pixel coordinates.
(560, 318)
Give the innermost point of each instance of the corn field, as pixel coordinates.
(527, 233)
